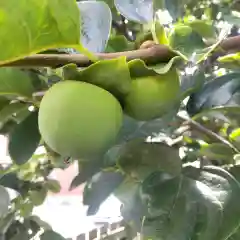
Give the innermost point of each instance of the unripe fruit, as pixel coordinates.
(151, 96)
(78, 119)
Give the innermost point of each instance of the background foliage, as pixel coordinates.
(184, 182)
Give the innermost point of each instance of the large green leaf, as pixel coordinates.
(174, 206)
(139, 158)
(24, 139)
(37, 26)
(229, 197)
(98, 189)
(133, 210)
(200, 204)
(15, 82)
(226, 86)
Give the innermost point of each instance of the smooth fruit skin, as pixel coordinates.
(152, 96)
(78, 119)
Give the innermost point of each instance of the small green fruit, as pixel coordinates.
(151, 96)
(78, 119)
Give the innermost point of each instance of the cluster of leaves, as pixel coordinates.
(178, 176)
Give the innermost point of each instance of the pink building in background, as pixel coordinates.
(65, 178)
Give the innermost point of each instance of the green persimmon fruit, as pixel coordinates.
(150, 97)
(78, 119)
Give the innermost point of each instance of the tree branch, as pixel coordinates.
(154, 54)
(197, 126)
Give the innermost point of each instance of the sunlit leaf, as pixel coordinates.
(37, 27)
(158, 31)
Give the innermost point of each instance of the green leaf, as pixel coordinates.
(21, 235)
(98, 189)
(218, 151)
(191, 83)
(10, 180)
(3, 102)
(184, 39)
(53, 185)
(139, 158)
(96, 21)
(138, 68)
(4, 201)
(175, 8)
(230, 202)
(37, 197)
(203, 28)
(199, 204)
(158, 31)
(158, 4)
(230, 61)
(112, 75)
(7, 112)
(26, 133)
(51, 235)
(133, 210)
(15, 82)
(139, 11)
(26, 209)
(6, 221)
(129, 127)
(86, 171)
(118, 43)
(207, 97)
(37, 27)
(178, 206)
(40, 222)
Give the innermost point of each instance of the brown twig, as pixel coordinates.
(197, 126)
(154, 54)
